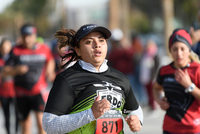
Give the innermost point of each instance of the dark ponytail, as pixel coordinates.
(66, 37)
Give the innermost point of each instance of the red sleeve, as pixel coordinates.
(198, 77)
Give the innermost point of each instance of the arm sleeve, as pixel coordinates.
(198, 78)
(54, 124)
(139, 113)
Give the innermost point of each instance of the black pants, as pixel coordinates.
(6, 102)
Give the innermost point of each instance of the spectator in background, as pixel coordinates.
(7, 92)
(40, 40)
(180, 83)
(195, 37)
(196, 23)
(138, 52)
(56, 55)
(138, 49)
(120, 56)
(148, 67)
(30, 63)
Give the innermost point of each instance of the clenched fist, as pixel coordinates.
(99, 107)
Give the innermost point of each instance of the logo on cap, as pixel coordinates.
(88, 27)
(28, 30)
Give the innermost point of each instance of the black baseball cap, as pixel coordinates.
(88, 28)
(28, 30)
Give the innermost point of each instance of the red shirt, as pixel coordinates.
(183, 115)
(122, 60)
(6, 84)
(34, 81)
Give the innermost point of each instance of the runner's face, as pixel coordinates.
(29, 40)
(93, 49)
(180, 54)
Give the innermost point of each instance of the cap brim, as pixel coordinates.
(102, 30)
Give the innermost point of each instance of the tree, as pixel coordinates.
(27, 11)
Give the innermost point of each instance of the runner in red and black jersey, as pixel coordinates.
(7, 92)
(30, 63)
(180, 81)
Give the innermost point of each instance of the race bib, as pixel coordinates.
(110, 122)
(112, 96)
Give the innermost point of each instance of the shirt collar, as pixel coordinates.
(89, 67)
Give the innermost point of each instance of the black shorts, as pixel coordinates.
(27, 103)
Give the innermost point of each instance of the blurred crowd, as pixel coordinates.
(137, 59)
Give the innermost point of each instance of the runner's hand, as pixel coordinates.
(21, 69)
(134, 123)
(164, 104)
(183, 77)
(99, 107)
